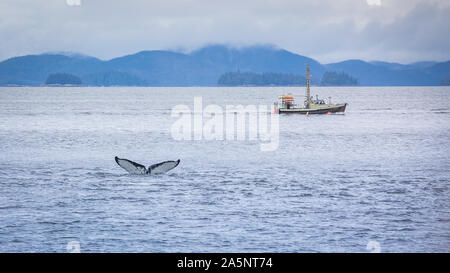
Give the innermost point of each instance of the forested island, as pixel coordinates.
(337, 79)
(281, 79)
(62, 79)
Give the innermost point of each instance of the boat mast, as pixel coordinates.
(308, 92)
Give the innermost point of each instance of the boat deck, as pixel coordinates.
(316, 109)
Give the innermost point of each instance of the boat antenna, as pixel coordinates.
(308, 91)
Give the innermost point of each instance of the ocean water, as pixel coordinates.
(380, 173)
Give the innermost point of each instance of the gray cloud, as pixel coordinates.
(328, 30)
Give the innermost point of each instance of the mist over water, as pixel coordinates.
(380, 172)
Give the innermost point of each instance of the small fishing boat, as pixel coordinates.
(287, 105)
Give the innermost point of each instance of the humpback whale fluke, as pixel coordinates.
(136, 168)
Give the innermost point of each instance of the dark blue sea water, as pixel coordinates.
(379, 173)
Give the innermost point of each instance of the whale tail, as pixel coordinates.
(136, 168)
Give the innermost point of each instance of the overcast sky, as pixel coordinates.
(328, 30)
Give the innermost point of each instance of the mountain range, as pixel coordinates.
(203, 67)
